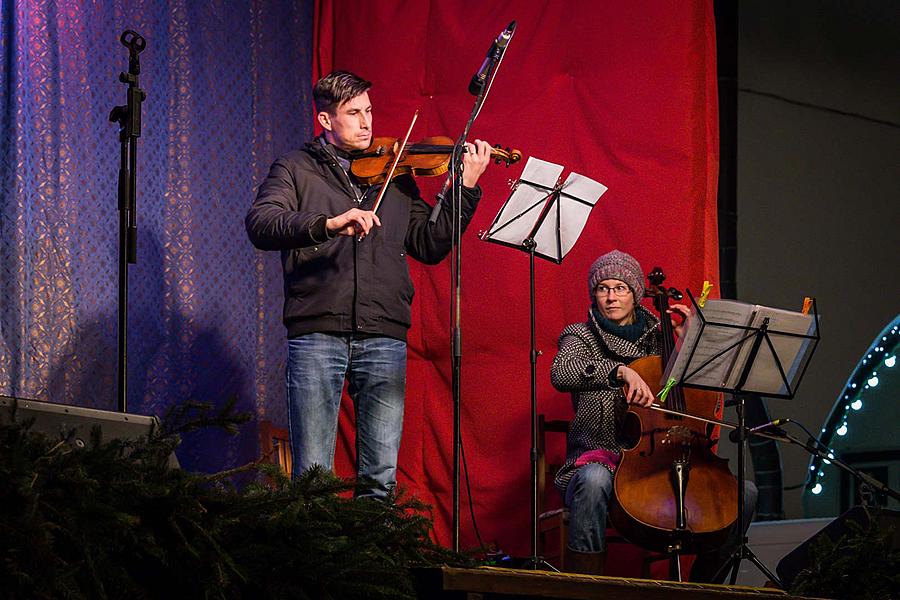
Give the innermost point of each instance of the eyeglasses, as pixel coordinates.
(617, 290)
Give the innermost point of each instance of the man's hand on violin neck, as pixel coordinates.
(352, 222)
(475, 161)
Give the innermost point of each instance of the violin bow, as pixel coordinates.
(387, 181)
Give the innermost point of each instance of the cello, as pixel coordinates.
(673, 494)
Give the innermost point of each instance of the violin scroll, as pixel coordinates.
(507, 156)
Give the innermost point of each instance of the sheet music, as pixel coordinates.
(584, 188)
(764, 376)
(574, 215)
(517, 217)
(565, 219)
(541, 172)
(731, 353)
(715, 341)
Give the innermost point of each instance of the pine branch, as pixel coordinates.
(112, 520)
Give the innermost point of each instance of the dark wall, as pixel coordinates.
(818, 178)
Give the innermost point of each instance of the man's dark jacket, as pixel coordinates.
(339, 284)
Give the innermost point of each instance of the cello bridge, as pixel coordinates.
(678, 435)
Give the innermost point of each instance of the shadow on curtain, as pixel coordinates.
(227, 87)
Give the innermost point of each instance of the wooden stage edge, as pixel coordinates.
(486, 583)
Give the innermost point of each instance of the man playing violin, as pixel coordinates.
(346, 280)
(591, 363)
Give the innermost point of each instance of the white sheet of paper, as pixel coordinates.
(791, 351)
(584, 188)
(715, 341)
(516, 221)
(575, 214)
(541, 172)
(725, 370)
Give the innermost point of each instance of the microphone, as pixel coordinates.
(493, 55)
(735, 434)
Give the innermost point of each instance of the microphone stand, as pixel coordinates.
(456, 173)
(741, 432)
(779, 435)
(128, 117)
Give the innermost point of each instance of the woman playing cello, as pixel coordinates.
(592, 364)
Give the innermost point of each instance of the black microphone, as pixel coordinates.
(493, 55)
(735, 434)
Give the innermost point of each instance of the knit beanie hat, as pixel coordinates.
(617, 265)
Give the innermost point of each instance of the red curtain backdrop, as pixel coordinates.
(623, 92)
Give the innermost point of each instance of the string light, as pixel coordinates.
(864, 378)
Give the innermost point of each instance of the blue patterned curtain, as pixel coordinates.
(228, 89)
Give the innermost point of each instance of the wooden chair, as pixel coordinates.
(553, 523)
(275, 445)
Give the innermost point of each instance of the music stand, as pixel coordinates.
(730, 357)
(542, 217)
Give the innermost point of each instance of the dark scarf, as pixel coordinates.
(631, 332)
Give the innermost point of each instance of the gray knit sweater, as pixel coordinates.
(587, 357)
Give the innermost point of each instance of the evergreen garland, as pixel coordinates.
(114, 521)
(860, 565)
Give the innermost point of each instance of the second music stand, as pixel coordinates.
(737, 355)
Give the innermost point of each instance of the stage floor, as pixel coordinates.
(486, 583)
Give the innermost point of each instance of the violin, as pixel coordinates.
(672, 492)
(427, 158)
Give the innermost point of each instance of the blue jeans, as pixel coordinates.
(375, 369)
(588, 495)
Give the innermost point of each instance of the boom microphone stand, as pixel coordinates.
(128, 117)
(477, 87)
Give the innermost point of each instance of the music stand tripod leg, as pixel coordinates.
(743, 551)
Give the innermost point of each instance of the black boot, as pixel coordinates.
(588, 563)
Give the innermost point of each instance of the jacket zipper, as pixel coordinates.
(356, 196)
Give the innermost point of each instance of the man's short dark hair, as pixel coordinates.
(336, 88)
